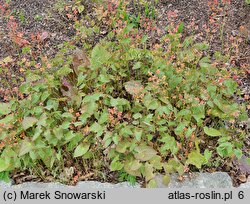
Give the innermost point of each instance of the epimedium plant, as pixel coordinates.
(143, 111)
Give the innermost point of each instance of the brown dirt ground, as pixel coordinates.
(35, 16)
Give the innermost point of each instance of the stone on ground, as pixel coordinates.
(199, 180)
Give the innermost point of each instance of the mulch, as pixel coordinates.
(36, 17)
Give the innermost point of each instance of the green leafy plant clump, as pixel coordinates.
(137, 111)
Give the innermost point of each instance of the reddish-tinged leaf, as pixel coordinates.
(44, 35)
(243, 165)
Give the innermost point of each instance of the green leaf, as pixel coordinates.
(179, 129)
(248, 161)
(3, 165)
(116, 165)
(170, 144)
(92, 97)
(81, 149)
(225, 149)
(80, 8)
(212, 132)
(4, 176)
(37, 133)
(201, 46)
(80, 80)
(25, 49)
(137, 116)
(145, 153)
(122, 146)
(199, 113)
(26, 147)
(99, 56)
(196, 159)
(126, 131)
(156, 162)
(5, 108)
(103, 118)
(96, 128)
(132, 167)
(71, 135)
(181, 27)
(58, 131)
(189, 132)
(129, 27)
(231, 86)
(137, 65)
(28, 122)
(6, 60)
(238, 153)
(166, 179)
(52, 104)
(149, 171)
(135, 165)
(104, 78)
(207, 155)
(144, 39)
(175, 82)
(180, 169)
(138, 134)
(152, 184)
(24, 88)
(7, 119)
(163, 110)
(153, 105)
(44, 96)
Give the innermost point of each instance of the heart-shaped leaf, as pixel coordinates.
(197, 159)
(133, 167)
(26, 147)
(152, 184)
(156, 162)
(166, 179)
(28, 122)
(7, 119)
(116, 165)
(149, 171)
(122, 146)
(145, 153)
(99, 56)
(81, 149)
(212, 132)
(5, 108)
(3, 165)
(80, 58)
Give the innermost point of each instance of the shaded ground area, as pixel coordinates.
(36, 17)
(217, 23)
(30, 22)
(226, 27)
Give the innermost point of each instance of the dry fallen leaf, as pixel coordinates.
(133, 87)
(80, 58)
(44, 35)
(243, 178)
